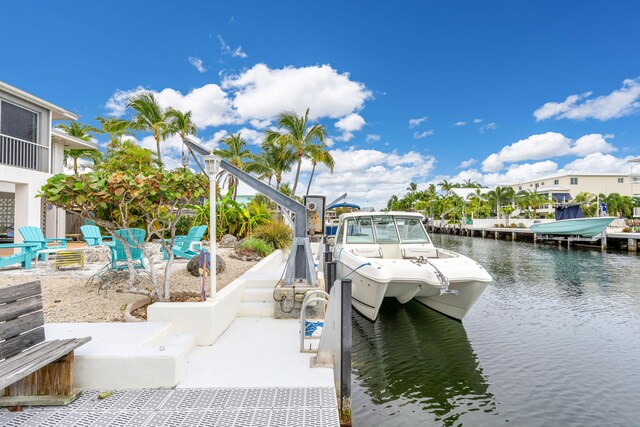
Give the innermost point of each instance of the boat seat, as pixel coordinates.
(371, 251)
(415, 252)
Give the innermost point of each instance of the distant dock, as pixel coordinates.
(611, 240)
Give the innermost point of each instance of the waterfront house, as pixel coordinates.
(31, 151)
(564, 187)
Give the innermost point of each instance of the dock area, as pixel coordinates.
(223, 362)
(613, 239)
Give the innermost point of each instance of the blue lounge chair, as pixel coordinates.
(34, 235)
(184, 246)
(24, 257)
(91, 235)
(133, 236)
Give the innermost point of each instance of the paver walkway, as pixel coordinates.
(246, 407)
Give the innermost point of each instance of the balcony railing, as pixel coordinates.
(23, 154)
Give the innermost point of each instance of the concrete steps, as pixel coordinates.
(256, 309)
(258, 294)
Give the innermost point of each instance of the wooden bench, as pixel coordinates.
(32, 371)
(69, 259)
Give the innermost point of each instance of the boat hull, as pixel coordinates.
(584, 227)
(368, 294)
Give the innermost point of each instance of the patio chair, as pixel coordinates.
(91, 235)
(184, 246)
(34, 235)
(133, 236)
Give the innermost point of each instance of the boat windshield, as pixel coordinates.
(359, 230)
(411, 230)
(385, 229)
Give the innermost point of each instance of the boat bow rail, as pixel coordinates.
(444, 280)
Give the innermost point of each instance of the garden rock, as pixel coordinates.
(249, 256)
(228, 241)
(192, 265)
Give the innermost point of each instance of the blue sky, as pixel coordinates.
(492, 91)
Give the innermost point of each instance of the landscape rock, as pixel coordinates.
(192, 266)
(100, 254)
(228, 241)
(246, 256)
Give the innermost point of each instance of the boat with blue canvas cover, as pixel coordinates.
(570, 221)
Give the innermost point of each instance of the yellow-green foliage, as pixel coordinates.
(256, 245)
(277, 234)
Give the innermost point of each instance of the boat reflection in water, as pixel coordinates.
(412, 364)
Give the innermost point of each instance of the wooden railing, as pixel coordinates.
(23, 154)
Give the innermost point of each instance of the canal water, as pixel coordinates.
(554, 341)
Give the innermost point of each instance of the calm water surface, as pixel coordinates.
(554, 341)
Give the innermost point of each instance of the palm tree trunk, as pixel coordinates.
(311, 177)
(75, 166)
(295, 184)
(158, 150)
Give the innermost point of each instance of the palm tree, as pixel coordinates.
(181, 123)
(236, 153)
(446, 185)
(115, 128)
(83, 132)
(469, 183)
(151, 117)
(500, 196)
(297, 136)
(318, 153)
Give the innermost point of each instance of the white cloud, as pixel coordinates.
(358, 173)
(372, 138)
(592, 143)
(349, 124)
(541, 146)
(197, 63)
(116, 105)
(228, 50)
(515, 173)
(416, 122)
(252, 136)
(477, 121)
(488, 126)
(545, 146)
(467, 163)
(459, 124)
(262, 92)
(420, 135)
(260, 124)
(599, 162)
(619, 103)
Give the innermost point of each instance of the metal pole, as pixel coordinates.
(212, 234)
(328, 257)
(345, 348)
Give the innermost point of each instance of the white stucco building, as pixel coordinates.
(31, 151)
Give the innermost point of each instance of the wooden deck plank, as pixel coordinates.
(12, 328)
(19, 308)
(16, 292)
(15, 345)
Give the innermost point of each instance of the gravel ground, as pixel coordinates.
(67, 298)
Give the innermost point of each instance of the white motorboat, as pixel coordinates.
(389, 254)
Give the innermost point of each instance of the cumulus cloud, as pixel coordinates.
(372, 138)
(514, 174)
(488, 126)
(592, 143)
(619, 103)
(252, 136)
(197, 63)
(349, 124)
(467, 163)
(420, 135)
(416, 122)
(541, 146)
(228, 50)
(599, 162)
(476, 121)
(358, 171)
(459, 124)
(116, 105)
(545, 146)
(261, 92)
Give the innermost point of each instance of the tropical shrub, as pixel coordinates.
(254, 244)
(184, 224)
(277, 234)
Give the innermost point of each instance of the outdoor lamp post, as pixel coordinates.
(212, 166)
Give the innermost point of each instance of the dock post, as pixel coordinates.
(331, 275)
(632, 245)
(345, 358)
(535, 238)
(559, 243)
(495, 235)
(484, 233)
(328, 257)
(603, 241)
